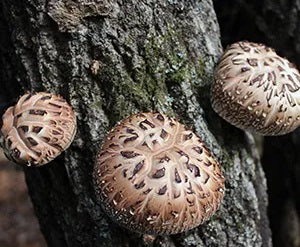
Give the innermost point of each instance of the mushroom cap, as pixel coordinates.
(257, 90)
(37, 129)
(155, 176)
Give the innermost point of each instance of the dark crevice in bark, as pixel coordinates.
(280, 163)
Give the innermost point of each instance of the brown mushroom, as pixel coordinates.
(155, 176)
(37, 129)
(257, 90)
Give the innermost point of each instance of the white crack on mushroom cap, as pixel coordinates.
(257, 90)
(155, 176)
(37, 129)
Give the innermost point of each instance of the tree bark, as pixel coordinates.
(110, 59)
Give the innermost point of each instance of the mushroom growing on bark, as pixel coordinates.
(155, 176)
(37, 129)
(257, 90)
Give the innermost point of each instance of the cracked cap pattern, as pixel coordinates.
(155, 176)
(37, 129)
(257, 90)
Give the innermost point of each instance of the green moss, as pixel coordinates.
(240, 225)
(167, 54)
(201, 68)
(97, 102)
(158, 78)
(227, 161)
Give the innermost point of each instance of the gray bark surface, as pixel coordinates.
(110, 59)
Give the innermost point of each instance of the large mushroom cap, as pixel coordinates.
(155, 176)
(37, 129)
(257, 90)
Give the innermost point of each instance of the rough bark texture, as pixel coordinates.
(111, 59)
(277, 24)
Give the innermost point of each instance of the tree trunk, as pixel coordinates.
(110, 59)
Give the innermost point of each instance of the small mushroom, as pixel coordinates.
(257, 90)
(154, 176)
(37, 129)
